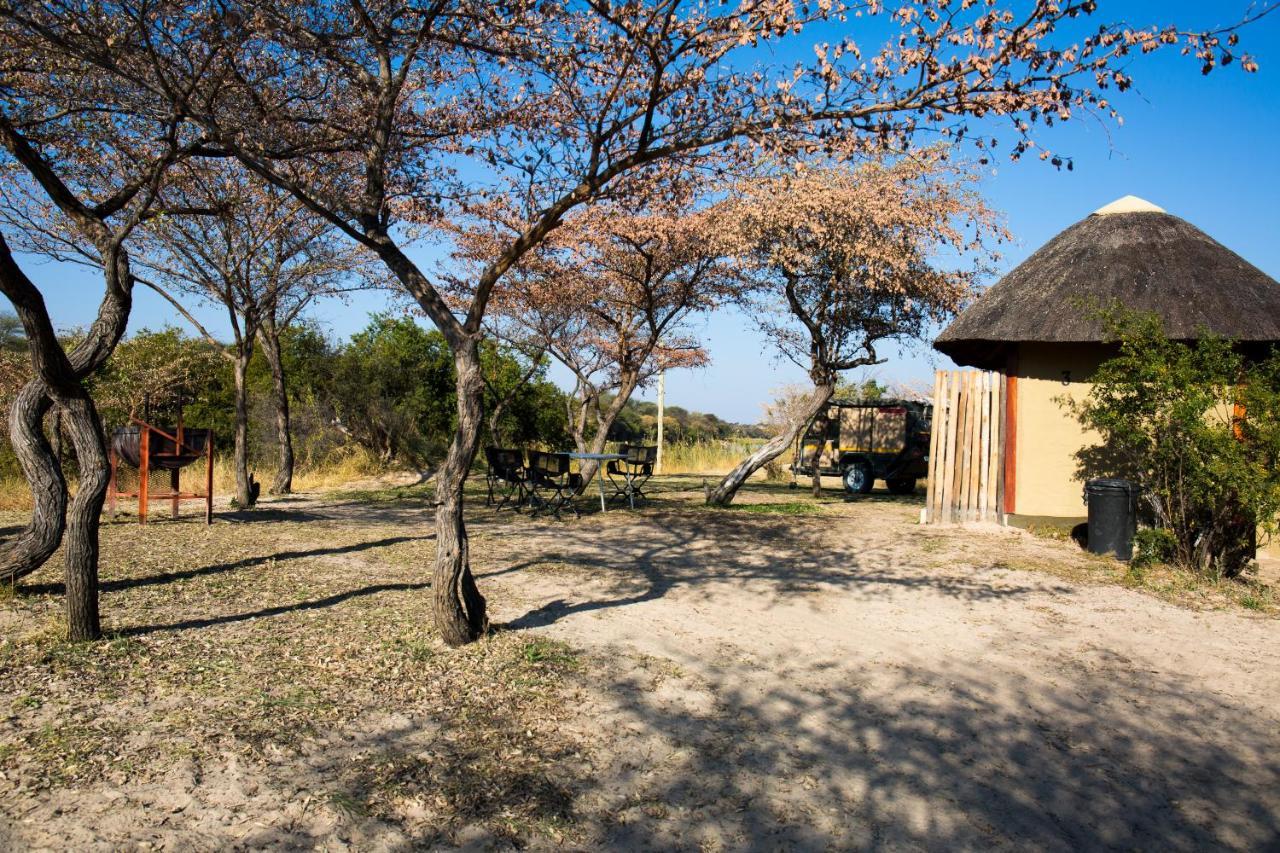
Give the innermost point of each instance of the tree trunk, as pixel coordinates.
(493, 427)
(578, 420)
(81, 558)
(723, 493)
(820, 427)
(604, 423)
(28, 551)
(459, 606)
(579, 435)
(60, 376)
(55, 436)
(283, 482)
(245, 497)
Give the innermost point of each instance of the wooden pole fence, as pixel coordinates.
(966, 448)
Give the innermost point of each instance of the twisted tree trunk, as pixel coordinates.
(459, 606)
(723, 493)
(61, 378)
(81, 554)
(30, 549)
(283, 482)
(58, 382)
(55, 435)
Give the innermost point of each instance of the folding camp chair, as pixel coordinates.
(506, 478)
(628, 476)
(551, 484)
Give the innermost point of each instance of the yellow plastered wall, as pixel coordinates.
(1048, 435)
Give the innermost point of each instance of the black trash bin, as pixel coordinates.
(1113, 516)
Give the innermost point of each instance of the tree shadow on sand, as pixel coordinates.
(1106, 757)
(648, 558)
(278, 610)
(57, 588)
(1103, 758)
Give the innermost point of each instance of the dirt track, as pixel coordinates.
(754, 679)
(856, 680)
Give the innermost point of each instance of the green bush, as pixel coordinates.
(1168, 415)
(393, 392)
(1153, 546)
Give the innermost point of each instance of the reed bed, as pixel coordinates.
(713, 456)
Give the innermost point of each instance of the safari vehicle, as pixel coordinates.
(866, 441)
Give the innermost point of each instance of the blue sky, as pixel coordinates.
(1204, 148)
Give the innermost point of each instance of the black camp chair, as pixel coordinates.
(551, 484)
(628, 476)
(507, 478)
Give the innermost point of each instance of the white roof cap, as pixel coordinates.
(1128, 204)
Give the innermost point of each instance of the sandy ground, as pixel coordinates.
(857, 680)
(759, 680)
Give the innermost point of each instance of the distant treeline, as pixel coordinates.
(639, 422)
(389, 389)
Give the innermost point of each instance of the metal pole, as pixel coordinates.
(662, 404)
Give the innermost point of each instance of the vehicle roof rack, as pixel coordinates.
(850, 404)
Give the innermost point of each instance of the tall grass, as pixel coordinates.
(713, 456)
(14, 494)
(344, 464)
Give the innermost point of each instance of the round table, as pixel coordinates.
(599, 457)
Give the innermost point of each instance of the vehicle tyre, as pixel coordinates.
(858, 478)
(905, 486)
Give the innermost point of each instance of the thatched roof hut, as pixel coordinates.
(1129, 252)
(1039, 326)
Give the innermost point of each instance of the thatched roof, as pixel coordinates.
(1130, 252)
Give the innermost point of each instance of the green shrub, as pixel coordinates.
(1153, 546)
(1169, 416)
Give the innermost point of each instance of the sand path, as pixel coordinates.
(857, 680)
(750, 680)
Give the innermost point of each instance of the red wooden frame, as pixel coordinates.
(174, 495)
(1011, 437)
